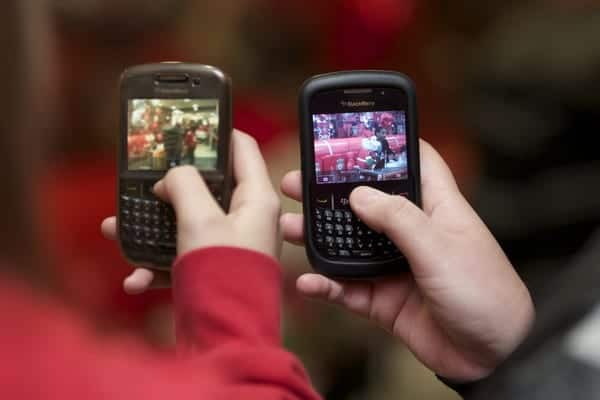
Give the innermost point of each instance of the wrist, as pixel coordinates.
(513, 326)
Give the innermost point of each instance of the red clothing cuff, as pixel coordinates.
(226, 294)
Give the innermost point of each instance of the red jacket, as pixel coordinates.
(227, 318)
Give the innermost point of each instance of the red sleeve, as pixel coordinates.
(226, 295)
(226, 303)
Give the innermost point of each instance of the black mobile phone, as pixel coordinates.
(171, 114)
(358, 128)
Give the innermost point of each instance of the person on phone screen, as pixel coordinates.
(173, 142)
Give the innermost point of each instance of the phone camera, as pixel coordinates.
(382, 92)
(196, 82)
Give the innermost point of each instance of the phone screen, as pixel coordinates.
(166, 133)
(360, 147)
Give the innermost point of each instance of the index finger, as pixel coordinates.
(250, 171)
(437, 181)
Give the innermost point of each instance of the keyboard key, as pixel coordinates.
(348, 216)
(329, 241)
(348, 229)
(363, 254)
(349, 243)
(136, 204)
(320, 240)
(328, 215)
(339, 216)
(168, 246)
(319, 214)
(215, 187)
(329, 229)
(344, 253)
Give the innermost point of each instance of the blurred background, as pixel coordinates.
(509, 93)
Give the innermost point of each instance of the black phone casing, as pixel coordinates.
(337, 267)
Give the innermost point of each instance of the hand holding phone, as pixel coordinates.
(251, 223)
(461, 309)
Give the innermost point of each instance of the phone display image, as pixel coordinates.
(165, 133)
(360, 147)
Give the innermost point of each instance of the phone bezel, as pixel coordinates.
(354, 80)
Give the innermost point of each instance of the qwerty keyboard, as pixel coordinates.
(339, 233)
(147, 225)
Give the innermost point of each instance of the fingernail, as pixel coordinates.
(364, 196)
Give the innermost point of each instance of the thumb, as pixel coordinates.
(398, 218)
(184, 188)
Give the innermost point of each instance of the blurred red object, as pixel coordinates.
(365, 32)
(78, 194)
(356, 33)
(264, 118)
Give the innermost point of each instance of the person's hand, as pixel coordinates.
(463, 309)
(252, 222)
